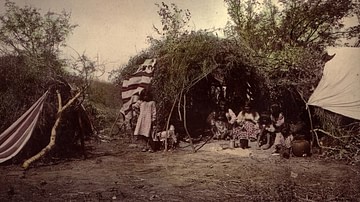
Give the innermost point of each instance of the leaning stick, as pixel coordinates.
(113, 125)
(168, 123)
(185, 126)
(206, 141)
(51, 144)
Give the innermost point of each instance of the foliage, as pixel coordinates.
(277, 49)
(315, 22)
(290, 40)
(339, 136)
(25, 32)
(29, 65)
(19, 86)
(190, 63)
(30, 47)
(124, 72)
(83, 67)
(187, 64)
(267, 27)
(104, 93)
(174, 21)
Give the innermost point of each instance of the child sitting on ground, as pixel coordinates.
(283, 142)
(278, 120)
(267, 129)
(221, 127)
(220, 121)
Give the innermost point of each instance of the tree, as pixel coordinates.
(173, 19)
(315, 22)
(289, 38)
(25, 32)
(30, 65)
(29, 45)
(296, 23)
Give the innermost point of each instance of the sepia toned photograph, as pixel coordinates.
(179, 100)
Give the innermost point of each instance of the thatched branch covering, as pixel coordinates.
(192, 64)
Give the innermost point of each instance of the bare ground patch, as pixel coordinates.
(118, 171)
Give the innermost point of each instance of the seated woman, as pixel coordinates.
(229, 114)
(221, 127)
(277, 117)
(282, 136)
(246, 125)
(267, 130)
(219, 121)
(283, 141)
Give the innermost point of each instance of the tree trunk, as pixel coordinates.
(51, 144)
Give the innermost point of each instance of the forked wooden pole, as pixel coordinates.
(51, 144)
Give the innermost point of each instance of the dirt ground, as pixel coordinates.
(117, 170)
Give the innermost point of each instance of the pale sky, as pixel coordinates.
(115, 30)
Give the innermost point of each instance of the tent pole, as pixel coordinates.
(187, 132)
(311, 127)
(310, 120)
(113, 125)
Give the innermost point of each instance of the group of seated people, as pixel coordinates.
(267, 129)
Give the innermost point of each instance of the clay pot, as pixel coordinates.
(300, 148)
(244, 143)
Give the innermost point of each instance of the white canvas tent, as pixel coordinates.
(339, 88)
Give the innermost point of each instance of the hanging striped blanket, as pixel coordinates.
(135, 84)
(13, 139)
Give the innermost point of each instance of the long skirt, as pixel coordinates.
(248, 130)
(281, 140)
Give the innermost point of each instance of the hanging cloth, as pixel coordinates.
(13, 139)
(132, 87)
(338, 90)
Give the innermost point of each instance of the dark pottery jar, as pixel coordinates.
(300, 148)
